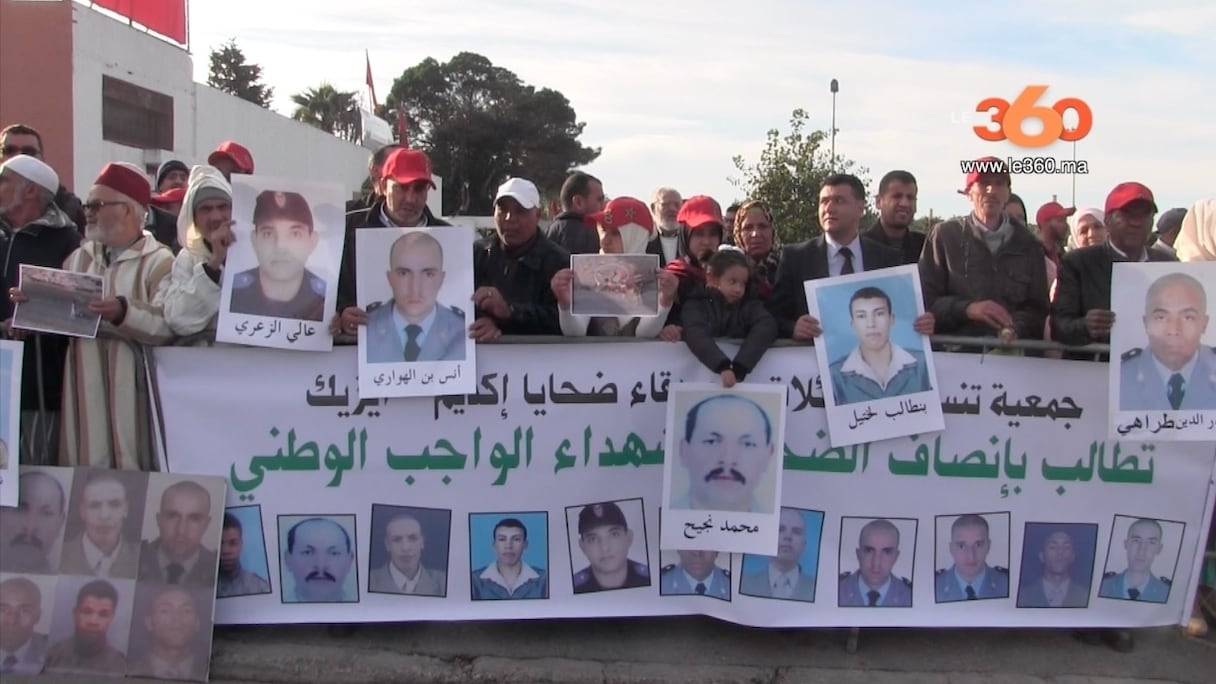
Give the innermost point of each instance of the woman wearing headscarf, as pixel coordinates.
(1086, 228)
(756, 235)
(625, 226)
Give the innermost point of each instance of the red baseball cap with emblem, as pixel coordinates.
(234, 152)
(407, 166)
(1052, 210)
(621, 211)
(1127, 193)
(701, 210)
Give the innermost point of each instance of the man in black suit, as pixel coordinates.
(840, 250)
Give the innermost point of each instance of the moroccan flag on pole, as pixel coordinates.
(371, 86)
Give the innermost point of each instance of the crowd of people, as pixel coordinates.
(161, 244)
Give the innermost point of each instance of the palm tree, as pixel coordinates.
(333, 111)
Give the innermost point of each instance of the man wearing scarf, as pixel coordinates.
(191, 300)
(105, 399)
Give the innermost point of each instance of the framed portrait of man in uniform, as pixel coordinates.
(279, 284)
(1163, 362)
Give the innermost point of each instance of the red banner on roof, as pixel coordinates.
(166, 17)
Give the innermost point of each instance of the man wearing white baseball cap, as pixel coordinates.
(512, 269)
(34, 231)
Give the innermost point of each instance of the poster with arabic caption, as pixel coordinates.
(415, 285)
(722, 482)
(58, 301)
(614, 285)
(546, 433)
(881, 381)
(11, 358)
(1163, 358)
(280, 281)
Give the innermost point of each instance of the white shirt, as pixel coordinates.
(96, 558)
(974, 584)
(1185, 371)
(163, 669)
(900, 359)
(491, 573)
(783, 583)
(407, 585)
(693, 581)
(836, 261)
(187, 565)
(426, 323)
(865, 590)
(1143, 254)
(388, 222)
(671, 245)
(19, 654)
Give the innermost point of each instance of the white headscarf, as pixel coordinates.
(1197, 237)
(201, 176)
(1074, 223)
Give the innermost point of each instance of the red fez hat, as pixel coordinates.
(126, 180)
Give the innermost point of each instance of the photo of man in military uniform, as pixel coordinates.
(414, 325)
(1177, 372)
(604, 538)
(697, 573)
(1136, 582)
(284, 237)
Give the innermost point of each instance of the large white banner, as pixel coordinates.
(545, 487)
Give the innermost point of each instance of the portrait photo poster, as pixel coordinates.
(415, 285)
(11, 357)
(722, 477)
(58, 301)
(880, 381)
(280, 280)
(1162, 360)
(614, 285)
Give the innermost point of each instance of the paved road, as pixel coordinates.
(686, 650)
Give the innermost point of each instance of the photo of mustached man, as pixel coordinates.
(31, 532)
(318, 556)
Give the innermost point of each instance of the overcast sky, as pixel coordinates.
(671, 90)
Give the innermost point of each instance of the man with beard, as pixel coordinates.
(178, 556)
(173, 624)
(22, 650)
(666, 209)
(404, 573)
(727, 449)
(101, 550)
(1052, 221)
(896, 203)
(319, 556)
(1055, 588)
(874, 584)
(192, 299)
(604, 538)
(235, 580)
(970, 578)
(284, 237)
(30, 530)
(509, 577)
(784, 577)
(698, 574)
(88, 651)
(1137, 582)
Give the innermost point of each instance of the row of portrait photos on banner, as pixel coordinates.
(510, 557)
(416, 285)
(110, 572)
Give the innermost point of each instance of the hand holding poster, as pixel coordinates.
(57, 301)
(280, 282)
(1163, 364)
(881, 380)
(614, 285)
(416, 340)
(722, 489)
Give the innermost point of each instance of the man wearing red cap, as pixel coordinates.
(1080, 312)
(1052, 221)
(231, 157)
(985, 275)
(105, 409)
(840, 250)
(404, 185)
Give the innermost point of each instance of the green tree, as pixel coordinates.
(480, 125)
(333, 111)
(231, 74)
(788, 176)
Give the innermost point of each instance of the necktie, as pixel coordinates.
(847, 255)
(1133, 594)
(970, 593)
(1175, 392)
(411, 342)
(873, 596)
(174, 572)
(10, 661)
(700, 588)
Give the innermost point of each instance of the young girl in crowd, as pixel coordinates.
(625, 227)
(728, 307)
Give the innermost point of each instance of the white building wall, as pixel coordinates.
(203, 116)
